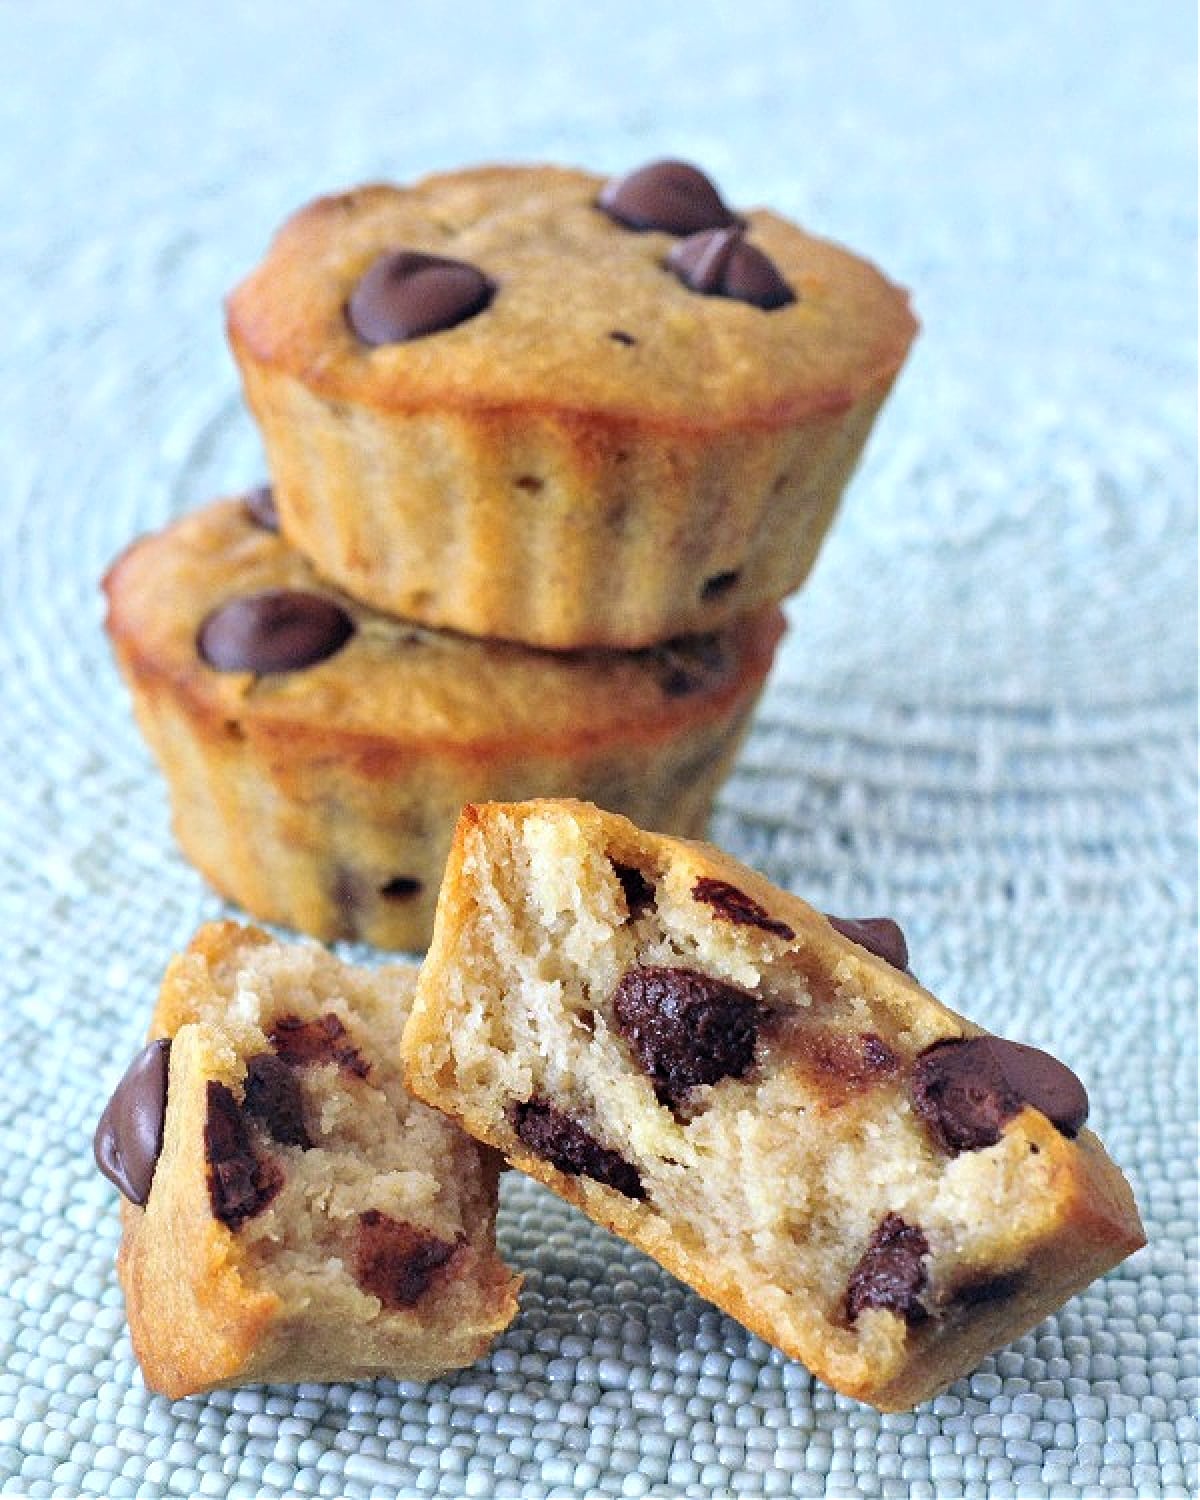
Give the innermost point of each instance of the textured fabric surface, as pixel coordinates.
(983, 720)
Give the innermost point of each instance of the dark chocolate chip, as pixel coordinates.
(990, 1289)
(890, 1274)
(278, 630)
(260, 507)
(878, 935)
(406, 294)
(719, 263)
(619, 336)
(718, 584)
(735, 906)
(686, 1028)
(639, 892)
(274, 1096)
(669, 195)
(240, 1182)
(324, 1040)
(395, 1261)
(552, 1134)
(400, 888)
(966, 1089)
(688, 664)
(129, 1136)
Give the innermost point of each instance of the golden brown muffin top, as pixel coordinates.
(585, 317)
(390, 683)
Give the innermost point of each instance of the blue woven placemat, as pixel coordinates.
(983, 720)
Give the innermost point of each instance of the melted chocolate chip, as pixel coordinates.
(395, 1261)
(990, 1289)
(688, 664)
(966, 1089)
(552, 1134)
(719, 584)
(890, 1274)
(260, 507)
(841, 1064)
(129, 1136)
(719, 263)
(686, 1028)
(639, 892)
(274, 1096)
(406, 294)
(735, 906)
(279, 630)
(240, 1183)
(668, 195)
(878, 935)
(324, 1040)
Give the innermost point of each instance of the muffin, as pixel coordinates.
(291, 1212)
(526, 403)
(760, 1097)
(317, 752)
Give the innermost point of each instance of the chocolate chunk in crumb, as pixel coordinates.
(406, 294)
(324, 1040)
(719, 263)
(260, 507)
(890, 1274)
(966, 1089)
(878, 935)
(735, 906)
(277, 630)
(274, 1096)
(672, 196)
(639, 892)
(552, 1134)
(395, 1261)
(128, 1138)
(686, 1028)
(240, 1183)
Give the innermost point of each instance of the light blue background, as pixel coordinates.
(983, 719)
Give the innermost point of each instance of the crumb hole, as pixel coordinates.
(401, 888)
(619, 336)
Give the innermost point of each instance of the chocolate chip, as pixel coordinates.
(990, 1289)
(890, 1274)
(552, 1134)
(718, 584)
(687, 664)
(719, 263)
(278, 630)
(406, 294)
(735, 906)
(686, 1028)
(395, 1261)
(129, 1136)
(639, 892)
(878, 935)
(240, 1183)
(400, 888)
(966, 1089)
(619, 336)
(260, 507)
(274, 1096)
(324, 1040)
(669, 195)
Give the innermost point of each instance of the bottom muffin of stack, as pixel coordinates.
(317, 752)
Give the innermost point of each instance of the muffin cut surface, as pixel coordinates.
(780, 1116)
(306, 1218)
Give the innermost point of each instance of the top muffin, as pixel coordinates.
(519, 359)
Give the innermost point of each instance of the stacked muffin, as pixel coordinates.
(546, 453)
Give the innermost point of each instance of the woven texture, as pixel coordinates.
(983, 720)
